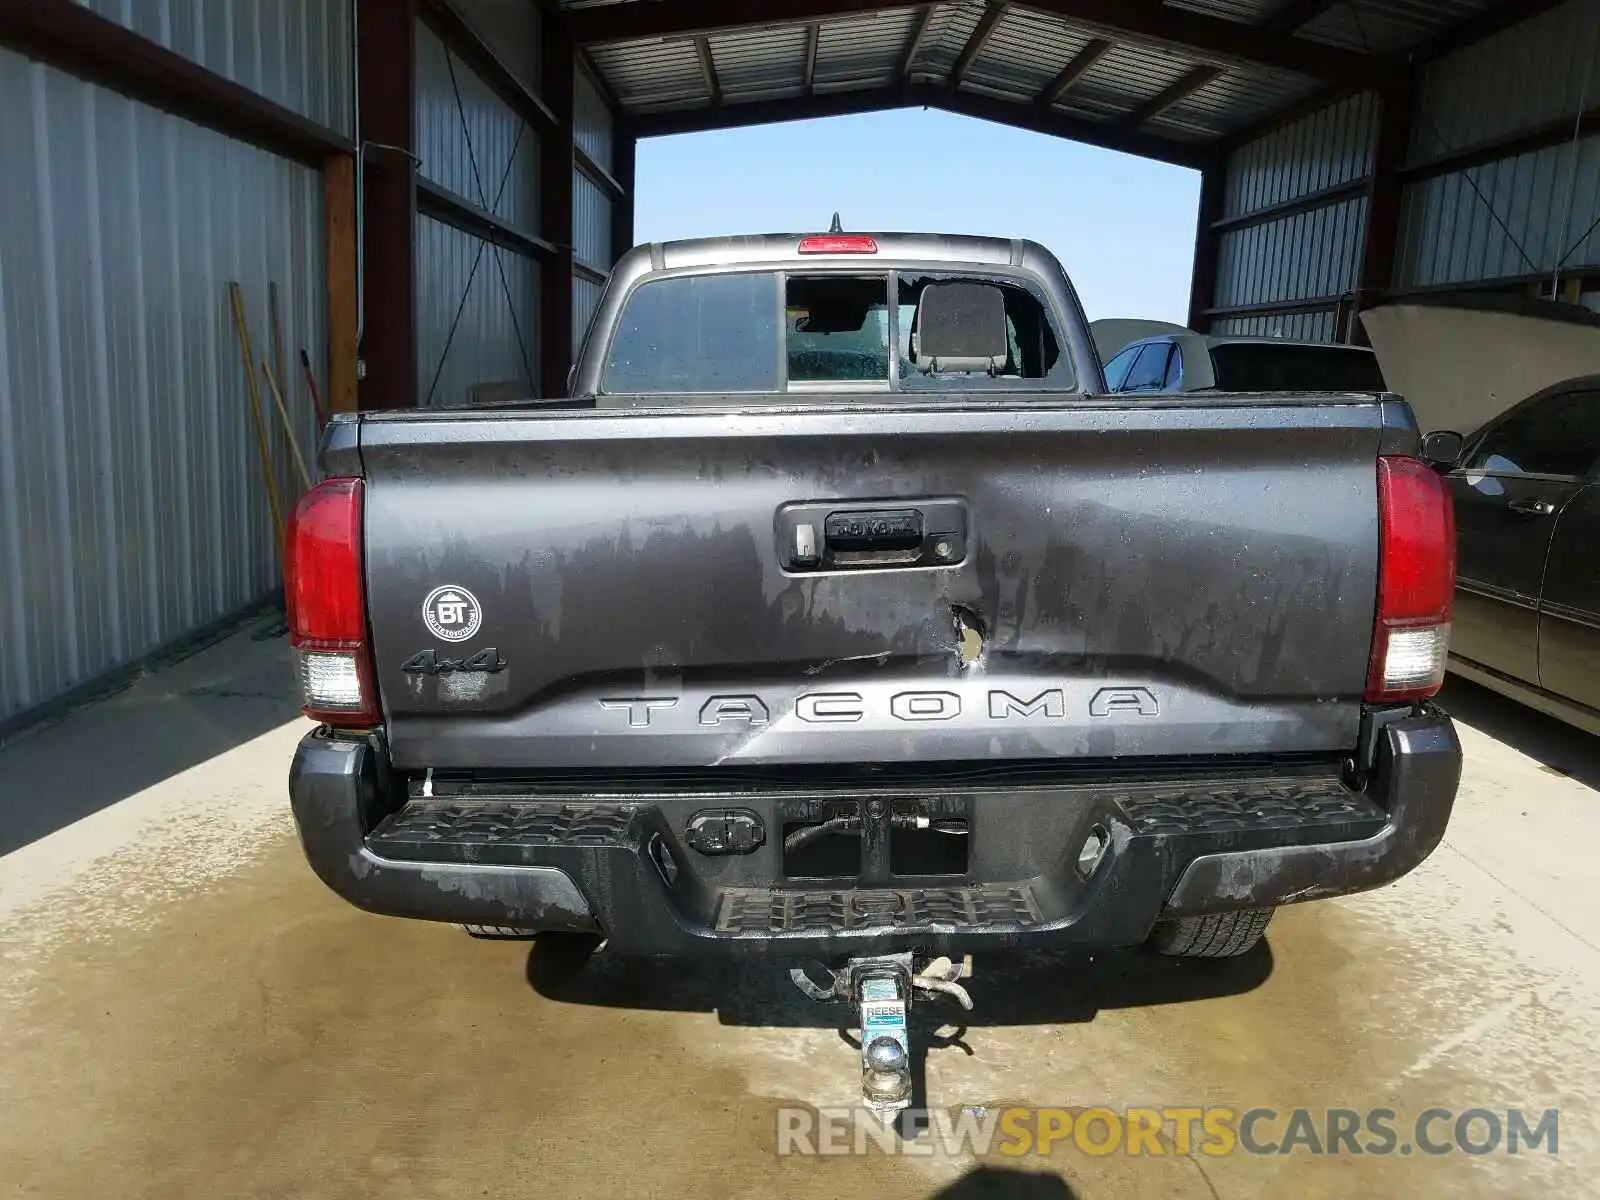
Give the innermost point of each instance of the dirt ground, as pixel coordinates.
(186, 1011)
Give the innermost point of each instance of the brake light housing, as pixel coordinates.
(839, 243)
(1416, 581)
(326, 600)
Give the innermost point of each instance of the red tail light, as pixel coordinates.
(327, 609)
(839, 243)
(1416, 581)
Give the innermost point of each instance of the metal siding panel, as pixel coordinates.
(1330, 147)
(1235, 98)
(1390, 27)
(1125, 76)
(1025, 51)
(591, 223)
(1318, 326)
(512, 29)
(585, 296)
(1541, 70)
(651, 74)
(863, 50)
(591, 121)
(749, 64)
(470, 140)
(1299, 257)
(133, 509)
(468, 331)
(294, 52)
(948, 31)
(1541, 201)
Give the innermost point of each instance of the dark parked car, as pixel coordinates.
(1527, 496)
(1197, 362)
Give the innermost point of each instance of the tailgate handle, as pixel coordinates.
(874, 529)
(844, 536)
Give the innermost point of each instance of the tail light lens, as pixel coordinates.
(1416, 581)
(327, 610)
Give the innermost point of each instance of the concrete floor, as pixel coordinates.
(186, 1011)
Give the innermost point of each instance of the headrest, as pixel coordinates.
(960, 328)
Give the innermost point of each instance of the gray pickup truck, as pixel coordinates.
(839, 614)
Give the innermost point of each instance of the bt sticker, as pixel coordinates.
(452, 613)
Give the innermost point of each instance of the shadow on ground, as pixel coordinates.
(1000, 1183)
(1028, 989)
(174, 718)
(1563, 749)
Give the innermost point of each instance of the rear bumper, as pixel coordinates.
(618, 864)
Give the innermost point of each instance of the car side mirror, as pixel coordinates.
(1442, 449)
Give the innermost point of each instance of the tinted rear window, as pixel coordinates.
(697, 333)
(1263, 367)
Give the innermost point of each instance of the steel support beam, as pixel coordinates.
(624, 159)
(813, 36)
(1174, 93)
(387, 36)
(72, 38)
(1093, 51)
(708, 69)
(1213, 38)
(1296, 13)
(914, 43)
(924, 95)
(1207, 246)
(556, 165)
(1382, 236)
(992, 15)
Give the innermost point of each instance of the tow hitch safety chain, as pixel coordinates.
(881, 989)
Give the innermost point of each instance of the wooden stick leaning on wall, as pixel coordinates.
(237, 296)
(288, 425)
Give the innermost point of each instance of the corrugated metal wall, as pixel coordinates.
(1306, 255)
(591, 121)
(474, 328)
(1514, 219)
(1301, 257)
(592, 209)
(591, 223)
(470, 140)
(131, 506)
(1326, 149)
(477, 304)
(296, 52)
(1522, 215)
(1297, 327)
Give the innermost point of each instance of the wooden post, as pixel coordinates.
(339, 207)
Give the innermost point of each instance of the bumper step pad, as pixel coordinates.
(1313, 809)
(776, 910)
(497, 831)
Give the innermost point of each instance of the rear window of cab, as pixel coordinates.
(770, 331)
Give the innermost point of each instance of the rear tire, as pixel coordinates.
(1219, 935)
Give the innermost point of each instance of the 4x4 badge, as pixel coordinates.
(451, 613)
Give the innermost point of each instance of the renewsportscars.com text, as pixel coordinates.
(1215, 1131)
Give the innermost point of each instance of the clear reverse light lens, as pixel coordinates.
(1415, 658)
(330, 679)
